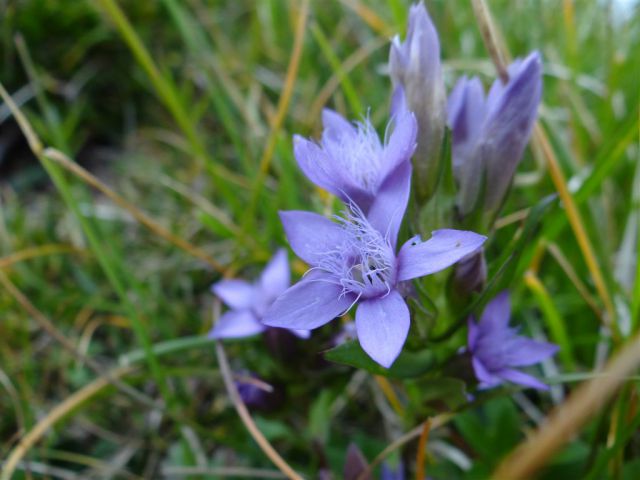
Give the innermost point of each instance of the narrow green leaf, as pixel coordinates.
(408, 364)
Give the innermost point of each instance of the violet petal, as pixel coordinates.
(311, 235)
(276, 277)
(442, 250)
(497, 313)
(309, 304)
(387, 211)
(508, 127)
(472, 333)
(382, 325)
(236, 294)
(486, 379)
(521, 378)
(316, 164)
(336, 126)
(236, 324)
(401, 143)
(524, 351)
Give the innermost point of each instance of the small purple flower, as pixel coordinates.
(257, 394)
(415, 67)
(249, 301)
(347, 332)
(490, 134)
(354, 260)
(497, 350)
(388, 473)
(350, 161)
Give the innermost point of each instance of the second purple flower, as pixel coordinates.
(354, 260)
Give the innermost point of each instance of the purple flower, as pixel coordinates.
(490, 134)
(415, 67)
(249, 301)
(388, 473)
(497, 349)
(354, 260)
(257, 394)
(350, 161)
(347, 332)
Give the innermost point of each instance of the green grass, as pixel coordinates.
(172, 104)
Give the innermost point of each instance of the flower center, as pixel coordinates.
(365, 263)
(360, 155)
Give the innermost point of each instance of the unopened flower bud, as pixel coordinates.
(415, 67)
(490, 134)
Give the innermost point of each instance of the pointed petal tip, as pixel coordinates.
(521, 378)
(276, 276)
(235, 293)
(445, 248)
(382, 325)
(236, 324)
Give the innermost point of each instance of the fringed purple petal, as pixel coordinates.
(382, 325)
(336, 127)
(311, 235)
(387, 211)
(309, 304)
(317, 165)
(442, 250)
(401, 143)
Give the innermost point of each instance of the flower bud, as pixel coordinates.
(470, 274)
(490, 134)
(415, 67)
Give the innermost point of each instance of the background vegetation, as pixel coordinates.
(185, 110)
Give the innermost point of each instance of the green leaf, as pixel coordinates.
(272, 429)
(442, 394)
(408, 364)
(319, 417)
(503, 276)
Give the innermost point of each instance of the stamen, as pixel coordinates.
(365, 263)
(360, 155)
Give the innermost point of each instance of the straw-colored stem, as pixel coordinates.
(245, 416)
(48, 326)
(567, 419)
(59, 412)
(435, 422)
(421, 457)
(487, 30)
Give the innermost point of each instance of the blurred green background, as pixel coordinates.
(177, 106)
